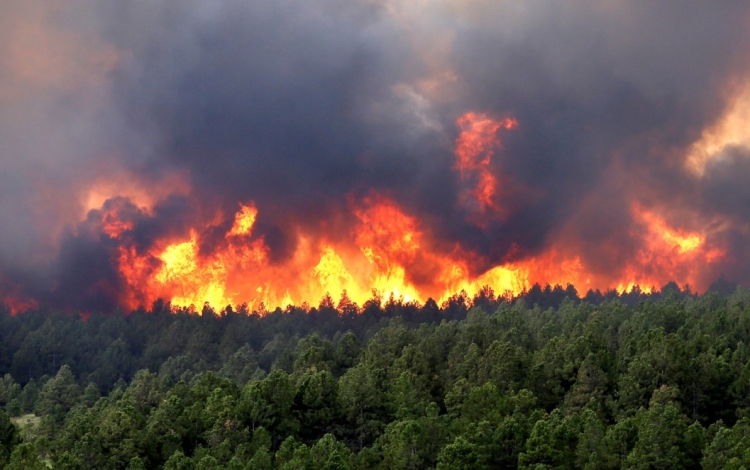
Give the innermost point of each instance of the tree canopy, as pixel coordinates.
(563, 382)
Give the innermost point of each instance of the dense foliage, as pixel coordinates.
(548, 380)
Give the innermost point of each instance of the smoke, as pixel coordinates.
(170, 112)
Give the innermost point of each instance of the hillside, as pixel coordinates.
(475, 383)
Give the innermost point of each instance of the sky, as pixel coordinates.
(621, 116)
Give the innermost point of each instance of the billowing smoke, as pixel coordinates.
(125, 124)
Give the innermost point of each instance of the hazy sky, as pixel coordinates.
(192, 106)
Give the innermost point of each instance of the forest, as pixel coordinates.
(547, 380)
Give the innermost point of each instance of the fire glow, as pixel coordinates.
(389, 253)
(475, 147)
(391, 245)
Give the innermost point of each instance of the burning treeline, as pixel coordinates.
(387, 252)
(273, 152)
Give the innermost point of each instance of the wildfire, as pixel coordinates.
(244, 220)
(669, 252)
(240, 269)
(661, 234)
(332, 273)
(388, 252)
(113, 226)
(15, 301)
(390, 240)
(475, 147)
(391, 247)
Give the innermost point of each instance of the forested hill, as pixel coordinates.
(104, 347)
(546, 381)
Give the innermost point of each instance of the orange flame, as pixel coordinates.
(112, 225)
(244, 220)
(18, 303)
(475, 147)
(389, 252)
(669, 253)
(391, 247)
(390, 240)
(388, 243)
(661, 234)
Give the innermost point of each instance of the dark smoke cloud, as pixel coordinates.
(299, 105)
(596, 85)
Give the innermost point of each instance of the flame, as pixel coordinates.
(661, 234)
(112, 225)
(332, 274)
(475, 147)
(16, 301)
(389, 240)
(392, 256)
(669, 252)
(244, 220)
(388, 252)
(193, 282)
